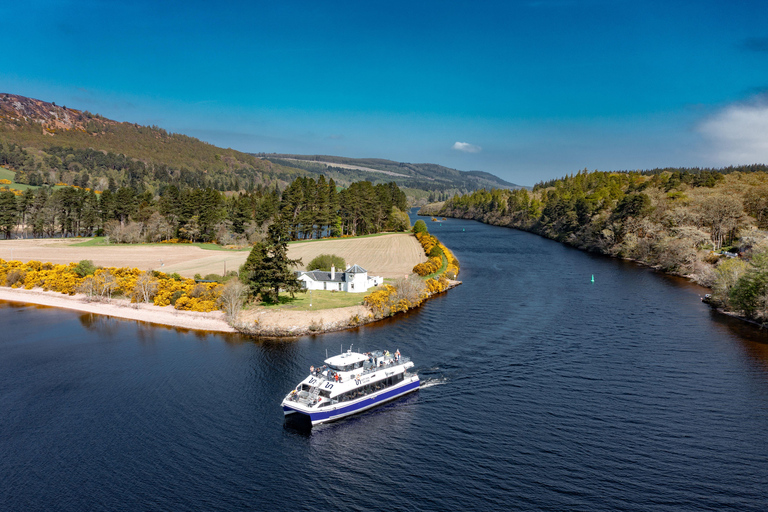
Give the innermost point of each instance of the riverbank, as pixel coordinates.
(120, 308)
(280, 323)
(260, 321)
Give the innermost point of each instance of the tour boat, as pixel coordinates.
(349, 383)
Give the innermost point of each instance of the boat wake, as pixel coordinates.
(428, 383)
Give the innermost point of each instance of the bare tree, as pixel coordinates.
(105, 283)
(146, 286)
(232, 298)
(412, 289)
(722, 214)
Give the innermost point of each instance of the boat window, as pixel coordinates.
(325, 393)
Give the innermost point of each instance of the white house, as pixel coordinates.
(355, 279)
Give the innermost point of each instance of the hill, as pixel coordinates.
(438, 181)
(46, 144)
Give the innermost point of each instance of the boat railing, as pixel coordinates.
(365, 370)
(313, 394)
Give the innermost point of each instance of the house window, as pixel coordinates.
(351, 286)
(325, 286)
(339, 286)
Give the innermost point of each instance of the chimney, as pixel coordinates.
(333, 272)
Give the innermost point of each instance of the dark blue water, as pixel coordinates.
(544, 392)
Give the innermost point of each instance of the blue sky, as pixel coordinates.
(527, 90)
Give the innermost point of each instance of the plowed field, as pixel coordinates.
(388, 255)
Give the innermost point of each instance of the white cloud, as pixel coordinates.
(466, 147)
(738, 134)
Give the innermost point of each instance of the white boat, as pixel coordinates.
(350, 383)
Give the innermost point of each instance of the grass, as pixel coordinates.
(321, 299)
(101, 241)
(440, 271)
(7, 174)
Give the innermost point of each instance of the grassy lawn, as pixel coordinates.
(101, 241)
(321, 299)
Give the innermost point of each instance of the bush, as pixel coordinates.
(85, 268)
(420, 226)
(324, 261)
(176, 296)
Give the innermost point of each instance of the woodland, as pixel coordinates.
(706, 224)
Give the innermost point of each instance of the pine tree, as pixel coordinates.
(268, 268)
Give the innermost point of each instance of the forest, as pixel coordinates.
(705, 224)
(310, 208)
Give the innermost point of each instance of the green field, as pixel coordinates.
(321, 299)
(7, 174)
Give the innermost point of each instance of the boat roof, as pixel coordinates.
(346, 358)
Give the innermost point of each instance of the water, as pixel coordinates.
(543, 391)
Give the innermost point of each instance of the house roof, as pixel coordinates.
(319, 275)
(356, 269)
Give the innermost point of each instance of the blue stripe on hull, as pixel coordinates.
(362, 405)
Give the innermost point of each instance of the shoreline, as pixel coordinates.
(120, 308)
(258, 322)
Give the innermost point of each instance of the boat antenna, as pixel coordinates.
(350, 347)
(326, 352)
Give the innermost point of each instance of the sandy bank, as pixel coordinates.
(213, 321)
(259, 321)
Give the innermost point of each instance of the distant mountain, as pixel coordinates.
(436, 179)
(46, 143)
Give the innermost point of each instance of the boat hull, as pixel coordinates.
(341, 410)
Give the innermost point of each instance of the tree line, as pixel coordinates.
(670, 220)
(309, 208)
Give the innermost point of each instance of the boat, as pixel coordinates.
(350, 383)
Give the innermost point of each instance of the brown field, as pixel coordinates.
(388, 256)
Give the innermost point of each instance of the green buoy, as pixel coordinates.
(593, 278)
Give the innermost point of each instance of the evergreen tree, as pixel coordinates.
(268, 268)
(8, 213)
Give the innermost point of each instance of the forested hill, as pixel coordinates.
(46, 144)
(708, 224)
(441, 182)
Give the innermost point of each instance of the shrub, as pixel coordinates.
(420, 226)
(324, 261)
(176, 296)
(85, 268)
(14, 276)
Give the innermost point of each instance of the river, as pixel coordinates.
(543, 391)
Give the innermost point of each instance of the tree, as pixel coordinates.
(145, 287)
(324, 261)
(722, 214)
(8, 213)
(232, 298)
(398, 220)
(268, 268)
(420, 226)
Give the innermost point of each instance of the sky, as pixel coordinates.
(526, 90)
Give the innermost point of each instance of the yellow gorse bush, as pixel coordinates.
(435, 263)
(64, 279)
